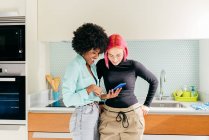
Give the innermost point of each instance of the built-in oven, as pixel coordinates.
(12, 39)
(12, 98)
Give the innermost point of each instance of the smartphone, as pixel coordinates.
(119, 86)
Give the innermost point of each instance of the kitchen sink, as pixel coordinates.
(169, 105)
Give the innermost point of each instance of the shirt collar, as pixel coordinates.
(81, 59)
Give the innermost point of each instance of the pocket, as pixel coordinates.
(90, 115)
(142, 123)
(101, 118)
(88, 110)
(139, 118)
(96, 107)
(102, 124)
(72, 123)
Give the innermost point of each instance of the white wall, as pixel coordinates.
(13, 5)
(36, 52)
(204, 69)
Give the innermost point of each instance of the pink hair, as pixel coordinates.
(116, 40)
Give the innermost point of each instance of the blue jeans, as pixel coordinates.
(84, 123)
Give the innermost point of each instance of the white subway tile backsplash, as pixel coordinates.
(179, 58)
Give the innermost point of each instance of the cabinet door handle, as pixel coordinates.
(10, 127)
(7, 79)
(51, 135)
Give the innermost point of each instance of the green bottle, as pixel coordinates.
(193, 91)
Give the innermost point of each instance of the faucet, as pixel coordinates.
(162, 79)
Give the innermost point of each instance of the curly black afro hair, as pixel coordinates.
(89, 36)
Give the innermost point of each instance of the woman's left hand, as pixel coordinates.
(145, 109)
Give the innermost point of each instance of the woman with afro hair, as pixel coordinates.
(80, 83)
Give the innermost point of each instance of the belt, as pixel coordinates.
(91, 104)
(121, 117)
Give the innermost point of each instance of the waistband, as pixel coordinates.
(128, 109)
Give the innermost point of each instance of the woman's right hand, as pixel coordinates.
(145, 109)
(111, 94)
(94, 88)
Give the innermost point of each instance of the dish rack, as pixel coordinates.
(186, 99)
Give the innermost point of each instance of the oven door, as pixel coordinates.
(12, 43)
(12, 97)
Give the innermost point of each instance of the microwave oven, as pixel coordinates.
(12, 42)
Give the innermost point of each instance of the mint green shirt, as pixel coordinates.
(76, 79)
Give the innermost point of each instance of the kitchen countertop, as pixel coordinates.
(43, 108)
(188, 110)
(154, 110)
(43, 102)
(39, 101)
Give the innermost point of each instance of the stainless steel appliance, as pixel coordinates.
(12, 70)
(12, 93)
(12, 38)
(12, 97)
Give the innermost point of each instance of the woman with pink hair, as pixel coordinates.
(123, 116)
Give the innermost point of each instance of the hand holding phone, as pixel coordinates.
(114, 92)
(119, 86)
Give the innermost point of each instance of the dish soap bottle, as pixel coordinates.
(193, 92)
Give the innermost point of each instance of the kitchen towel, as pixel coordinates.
(203, 106)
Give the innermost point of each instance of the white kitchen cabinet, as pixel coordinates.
(204, 70)
(10, 7)
(13, 132)
(135, 19)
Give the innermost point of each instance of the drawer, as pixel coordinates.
(48, 122)
(164, 124)
(52, 136)
(45, 136)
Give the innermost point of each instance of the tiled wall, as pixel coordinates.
(179, 58)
